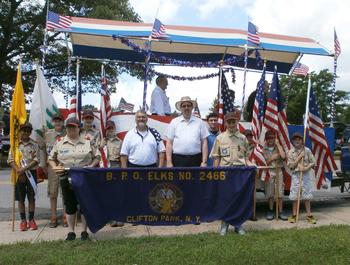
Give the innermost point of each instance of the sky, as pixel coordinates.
(313, 19)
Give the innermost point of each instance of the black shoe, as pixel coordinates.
(84, 236)
(254, 219)
(71, 236)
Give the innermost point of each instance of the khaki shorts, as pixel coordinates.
(270, 187)
(52, 184)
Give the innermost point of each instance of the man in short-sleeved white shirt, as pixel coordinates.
(142, 146)
(159, 100)
(187, 144)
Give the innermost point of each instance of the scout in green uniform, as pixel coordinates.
(29, 150)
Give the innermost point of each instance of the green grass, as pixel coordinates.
(323, 245)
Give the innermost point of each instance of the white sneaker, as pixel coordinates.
(224, 228)
(240, 231)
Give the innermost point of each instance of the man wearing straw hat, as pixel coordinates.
(230, 149)
(300, 161)
(274, 155)
(187, 144)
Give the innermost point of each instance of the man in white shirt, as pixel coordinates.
(142, 145)
(159, 100)
(187, 144)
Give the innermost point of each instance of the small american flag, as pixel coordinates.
(257, 122)
(226, 99)
(158, 30)
(123, 105)
(196, 111)
(105, 115)
(300, 69)
(75, 103)
(337, 49)
(56, 21)
(105, 106)
(320, 148)
(253, 34)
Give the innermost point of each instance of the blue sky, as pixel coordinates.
(313, 18)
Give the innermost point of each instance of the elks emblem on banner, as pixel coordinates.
(165, 198)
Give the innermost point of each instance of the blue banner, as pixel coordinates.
(164, 196)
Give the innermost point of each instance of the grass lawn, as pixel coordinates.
(323, 245)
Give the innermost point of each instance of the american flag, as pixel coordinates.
(123, 105)
(105, 106)
(257, 121)
(158, 30)
(320, 148)
(300, 69)
(226, 98)
(56, 21)
(276, 119)
(105, 115)
(196, 111)
(275, 114)
(253, 34)
(75, 103)
(337, 49)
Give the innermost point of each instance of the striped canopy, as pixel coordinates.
(92, 38)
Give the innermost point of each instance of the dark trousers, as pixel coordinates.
(187, 160)
(69, 198)
(134, 165)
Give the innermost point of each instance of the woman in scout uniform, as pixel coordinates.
(72, 150)
(23, 188)
(301, 161)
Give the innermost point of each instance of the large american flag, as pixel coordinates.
(257, 155)
(158, 30)
(56, 21)
(300, 69)
(226, 98)
(337, 49)
(275, 114)
(123, 105)
(320, 148)
(253, 34)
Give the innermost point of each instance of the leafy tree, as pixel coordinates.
(22, 24)
(294, 91)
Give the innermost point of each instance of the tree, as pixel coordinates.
(322, 87)
(294, 92)
(22, 24)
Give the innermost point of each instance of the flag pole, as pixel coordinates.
(45, 35)
(77, 88)
(333, 112)
(245, 73)
(304, 140)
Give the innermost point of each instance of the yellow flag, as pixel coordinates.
(18, 116)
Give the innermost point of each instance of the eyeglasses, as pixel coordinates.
(186, 106)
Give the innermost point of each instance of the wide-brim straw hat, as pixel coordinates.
(185, 99)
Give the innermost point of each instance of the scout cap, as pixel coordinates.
(57, 116)
(27, 125)
(73, 122)
(110, 124)
(297, 135)
(88, 113)
(235, 115)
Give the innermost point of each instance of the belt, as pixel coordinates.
(184, 156)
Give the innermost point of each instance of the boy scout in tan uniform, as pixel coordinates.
(29, 150)
(274, 155)
(50, 138)
(230, 149)
(89, 132)
(113, 144)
